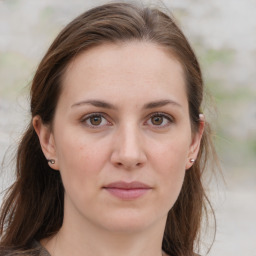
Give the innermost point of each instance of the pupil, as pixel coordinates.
(96, 120)
(157, 120)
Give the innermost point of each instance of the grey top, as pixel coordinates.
(41, 249)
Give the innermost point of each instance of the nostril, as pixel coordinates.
(128, 165)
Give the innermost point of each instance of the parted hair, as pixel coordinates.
(33, 206)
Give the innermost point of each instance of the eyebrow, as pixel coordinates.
(160, 103)
(103, 104)
(96, 103)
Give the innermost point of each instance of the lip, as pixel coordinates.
(127, 190)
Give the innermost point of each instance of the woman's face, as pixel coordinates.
(121, 136)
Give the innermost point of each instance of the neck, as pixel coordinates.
(89, 240)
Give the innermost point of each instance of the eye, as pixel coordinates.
(95, 120)
(159, 120)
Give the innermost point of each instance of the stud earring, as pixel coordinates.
(52, 161)
(191, 160)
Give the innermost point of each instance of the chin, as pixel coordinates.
(129, 222)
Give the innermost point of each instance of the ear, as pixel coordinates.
(47, 142)
(195, 143)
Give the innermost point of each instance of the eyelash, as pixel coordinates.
(102, 115)
(162, 115)
(89, 116)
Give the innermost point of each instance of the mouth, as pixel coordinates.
(127, 190)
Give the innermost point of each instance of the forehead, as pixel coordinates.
(146, 54)
(137, 67)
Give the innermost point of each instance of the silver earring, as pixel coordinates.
(52, 161)
(192, 160)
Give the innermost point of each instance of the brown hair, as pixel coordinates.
(33, 206)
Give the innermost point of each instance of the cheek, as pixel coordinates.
(170, 162)
(80, 160)
(171, 155)
(172, 170)
(76, 149)
(81, 163)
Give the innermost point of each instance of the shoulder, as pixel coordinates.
(19, 253)
(165, 254)
(40, 249)
(35, 249)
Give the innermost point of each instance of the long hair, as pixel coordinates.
(33, 205)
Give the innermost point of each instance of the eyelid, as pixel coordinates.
(87, 116)
(164, 115)
(168, 116)
(83, 120)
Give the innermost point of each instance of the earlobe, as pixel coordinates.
(47, 142)
(195, 143)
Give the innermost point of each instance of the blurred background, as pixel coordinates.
(222, 33)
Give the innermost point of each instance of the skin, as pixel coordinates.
(122, 143)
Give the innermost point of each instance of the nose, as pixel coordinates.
(128, 148)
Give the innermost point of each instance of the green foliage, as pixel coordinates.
(46, 13)
(221, 56)
(15, 72)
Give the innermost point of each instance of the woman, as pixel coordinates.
(112, 160)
